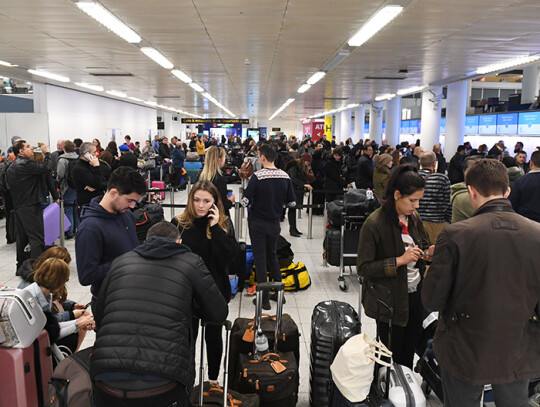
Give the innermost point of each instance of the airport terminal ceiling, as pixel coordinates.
(252, 56)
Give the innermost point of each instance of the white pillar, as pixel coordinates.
(375, 122)
(345, 125)
(530, 84)
(40, 98)
(455, 117)
(431, 117)
(337, 128)
(393, 121)
(359, 121)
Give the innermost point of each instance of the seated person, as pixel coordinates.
(144, 350)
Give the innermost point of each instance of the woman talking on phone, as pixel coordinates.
(391, 252)
(205, 230)
(214, 161)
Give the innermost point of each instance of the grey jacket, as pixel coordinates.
(62, 169)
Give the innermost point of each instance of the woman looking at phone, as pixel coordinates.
(205, 230)
(391, 252)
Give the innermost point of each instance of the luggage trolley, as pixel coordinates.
(349, 223)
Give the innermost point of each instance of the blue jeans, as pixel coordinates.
(70, 205)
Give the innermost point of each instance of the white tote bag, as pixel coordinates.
(352, 369)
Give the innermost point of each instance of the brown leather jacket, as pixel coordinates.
(380, 243)
(485, 282)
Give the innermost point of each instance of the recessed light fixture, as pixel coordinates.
(45, 74)
(304, 88)
(181, 75)
(157, 57)
(500, 66)
(414, 89)
(4, 63)
(116, 93)
(109, 20)
(374, 24)
(89, 86)
(196, 86)
(386, 96)
(316, 77)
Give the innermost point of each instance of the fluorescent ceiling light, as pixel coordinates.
(507, 64)
(134, 99)
(181, 75)
(386, 96)
(4, 63)
(89, 86)
(374, 24)
(109, 20)
(303, 88)
(352, 105)
(288, 102)
(316, 77)
(414, 89)
(49, 75)
(157, 57)
(196, 86)
(283, 106)
(149, 103)
(336, 60)
(116, 93)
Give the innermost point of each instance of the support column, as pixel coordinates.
(359, 121)
(337, 128)
(345, 125)
(431, 117)
(375, 122)
(40, 98)
(455, 118)
(530, 83)
(393, 121)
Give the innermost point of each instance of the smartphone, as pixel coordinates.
(88, 156)
(87, 305)
(229, 192)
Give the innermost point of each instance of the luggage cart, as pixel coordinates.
(348, 223)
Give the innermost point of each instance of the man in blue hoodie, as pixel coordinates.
(107, 228)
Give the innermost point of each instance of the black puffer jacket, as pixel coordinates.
(144, 311)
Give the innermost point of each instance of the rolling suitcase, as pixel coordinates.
(51, 225)
(332, 323)
(213, 394)
(25, 373)
(398, 382)
(273, 375)
(332, 245)
(159, 185)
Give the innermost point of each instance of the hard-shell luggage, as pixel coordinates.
(71, 385)
(273, 375)
(159, 185)
(21, 318)
(213, 394)
(332, 323)
(25, 373)
(398, 382)
(332, 245)
(51, 223)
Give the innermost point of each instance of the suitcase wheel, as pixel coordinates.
(342, 284)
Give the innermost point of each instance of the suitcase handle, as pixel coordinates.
(231, 401)
(267, 357)
(271, 286)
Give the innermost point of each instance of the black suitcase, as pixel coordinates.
(332, 244)
(214, 394)
(332, 323)
(273, 375)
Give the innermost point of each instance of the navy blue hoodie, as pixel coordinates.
(101, 237)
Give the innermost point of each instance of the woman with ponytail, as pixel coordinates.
(392, 251)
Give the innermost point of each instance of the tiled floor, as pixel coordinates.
(299, 305)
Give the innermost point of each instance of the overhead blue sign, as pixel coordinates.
(413, 128)
(529, 123)
(471, 125)
(366, 128)
(507, 123)
(442, 127)
(405, 126)
(487, 124)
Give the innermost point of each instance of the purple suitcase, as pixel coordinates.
(51, 223)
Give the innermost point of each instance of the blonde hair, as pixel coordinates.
(211, 163)
(52, 274)
(185, 220)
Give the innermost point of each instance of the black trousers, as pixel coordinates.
(29, 230)
(8, 213)
(405, 339)
(177, 397)
(458, 393)
(264, 235)
(214, 347)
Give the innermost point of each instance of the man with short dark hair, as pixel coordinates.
(267, 191)
(525, 195)
(24, 178)
(364, 169)
(107, 228)
(484, 282)
(455, 168)
(521, 158)
(153, 291)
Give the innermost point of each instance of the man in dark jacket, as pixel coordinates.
(484, 282)
(364, 169)
(154, 291)
(455, 167)
(87, 175)
(25, 179)
(107, 228)
(334, 181)
(165, 148)
(525, 195)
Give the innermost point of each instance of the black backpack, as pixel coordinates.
(70, 179)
